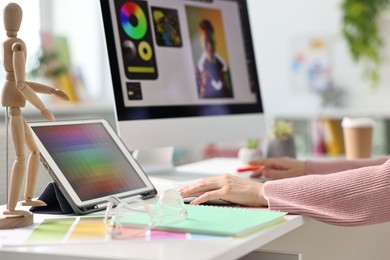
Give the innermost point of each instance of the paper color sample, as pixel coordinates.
(81, 230)
(53, 230)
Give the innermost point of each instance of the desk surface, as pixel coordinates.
(157, 249)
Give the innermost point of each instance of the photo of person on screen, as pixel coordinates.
(212, 72)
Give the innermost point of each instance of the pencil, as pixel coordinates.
(250, 168)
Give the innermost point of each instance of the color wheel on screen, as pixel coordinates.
(133, 20)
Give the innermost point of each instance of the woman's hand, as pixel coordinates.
(229, 188)
(279, 168)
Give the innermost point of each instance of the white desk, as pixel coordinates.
(158, 249)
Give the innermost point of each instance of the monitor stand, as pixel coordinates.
(158, 163)
(155, 161)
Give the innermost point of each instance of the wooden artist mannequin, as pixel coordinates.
(14, 95)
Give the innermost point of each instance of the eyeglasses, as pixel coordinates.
(169, 208)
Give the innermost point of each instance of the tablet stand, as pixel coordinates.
(55, 201)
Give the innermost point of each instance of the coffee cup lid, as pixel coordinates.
(357, 122)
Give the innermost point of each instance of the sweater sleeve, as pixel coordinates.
(324, 167)
(348, 198)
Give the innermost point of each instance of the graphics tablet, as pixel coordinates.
(89, 163)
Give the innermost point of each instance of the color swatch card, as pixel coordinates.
(82, 230)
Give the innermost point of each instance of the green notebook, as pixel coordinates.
(218, 221)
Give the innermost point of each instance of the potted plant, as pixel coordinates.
(250, 152)
(281, 142)
(360, 30)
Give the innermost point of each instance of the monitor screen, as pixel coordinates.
(183, 71)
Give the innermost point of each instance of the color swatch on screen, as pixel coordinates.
(136, 41)
(134, 27)
(90, 160)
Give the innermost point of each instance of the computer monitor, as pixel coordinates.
(183, 72)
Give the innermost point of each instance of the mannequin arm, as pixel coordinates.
(43, 89)
(19, 62)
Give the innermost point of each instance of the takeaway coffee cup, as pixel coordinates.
(357, 137)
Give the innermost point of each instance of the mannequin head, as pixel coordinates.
(12, 19)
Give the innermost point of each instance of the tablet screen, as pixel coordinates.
(88, 158)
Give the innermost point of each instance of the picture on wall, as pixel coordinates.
(310, 64)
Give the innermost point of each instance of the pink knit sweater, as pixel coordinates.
(345, 193)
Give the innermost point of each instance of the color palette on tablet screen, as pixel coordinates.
(133, 20)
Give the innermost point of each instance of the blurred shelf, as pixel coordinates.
(71, 108)
(334, 113)
(74, 111)
(80, 108)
